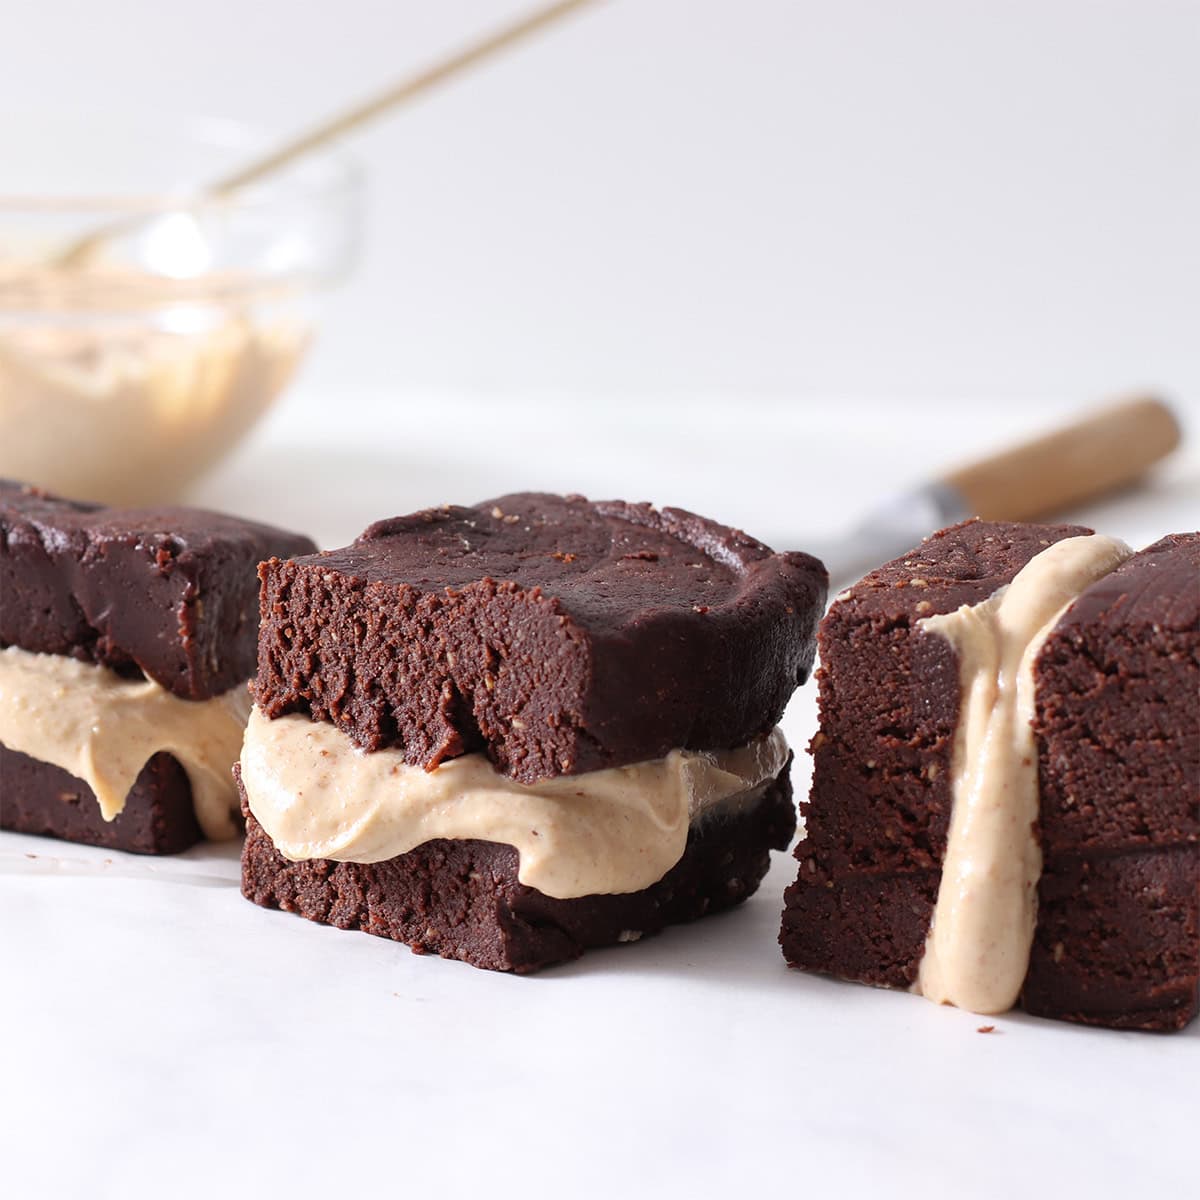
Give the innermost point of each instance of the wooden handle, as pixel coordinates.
(1103, 451)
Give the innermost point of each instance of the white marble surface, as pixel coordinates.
(166, 1038)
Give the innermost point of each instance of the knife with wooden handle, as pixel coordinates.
(1104, 450)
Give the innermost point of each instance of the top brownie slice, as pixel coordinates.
(555, 634)
(168, 592)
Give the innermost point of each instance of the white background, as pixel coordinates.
(946, 199)
(763, 259)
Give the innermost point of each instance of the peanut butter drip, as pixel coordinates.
(103, 729)
(977, 952)
(599, 833)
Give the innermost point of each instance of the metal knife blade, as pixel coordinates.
(895, 525)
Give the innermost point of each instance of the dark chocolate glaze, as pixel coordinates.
(170, 593)
(555, 634)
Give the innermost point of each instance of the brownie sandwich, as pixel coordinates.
(1005, 805)
(507, 733)
(127, 639)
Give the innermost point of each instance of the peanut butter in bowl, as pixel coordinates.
(124, 387)
(146, 324)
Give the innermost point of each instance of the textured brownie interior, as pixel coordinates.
(463, 900)
(556, 635)
(878, 814)
(1118, 730)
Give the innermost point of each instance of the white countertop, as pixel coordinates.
(164, 1037)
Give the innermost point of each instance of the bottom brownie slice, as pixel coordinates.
(462, 899)
(1118, 940)
(158, 817)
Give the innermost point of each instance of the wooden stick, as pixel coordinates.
(406, 90)
(80, 251)
(1102, 451)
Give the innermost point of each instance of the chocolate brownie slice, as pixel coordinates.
(555, 639)
(168, 595)
(554, 634)
(158, 818)
(881, 800)
(1118, 736)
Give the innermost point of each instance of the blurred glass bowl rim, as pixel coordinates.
(305, 217)
(129, 368)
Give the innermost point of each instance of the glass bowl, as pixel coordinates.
(144, 330)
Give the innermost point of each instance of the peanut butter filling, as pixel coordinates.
(977, 952)
(603, 832)
(103, 729)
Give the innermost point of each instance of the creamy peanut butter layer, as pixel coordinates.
(602, 832)
(977, 952)
(103, 729)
